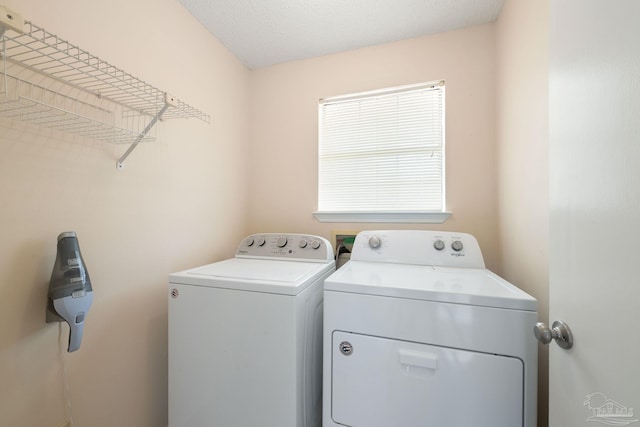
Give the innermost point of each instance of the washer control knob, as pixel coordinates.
(282, 242)
(457, 245)
(374, 242)
(438, 245)
(261, 241)
(250, 241)
(315, 244)
(302, 244)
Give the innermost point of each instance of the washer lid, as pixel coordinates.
(472, 286)
(255, 275)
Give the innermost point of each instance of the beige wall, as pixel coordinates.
(522, 40)
(283, 162)
(178, 203)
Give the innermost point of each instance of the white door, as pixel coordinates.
(595, 211)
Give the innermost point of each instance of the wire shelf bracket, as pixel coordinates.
(169, 101)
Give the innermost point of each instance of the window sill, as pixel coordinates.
(422, 217)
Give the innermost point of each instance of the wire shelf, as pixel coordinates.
(28, 102)
(52, 83)
(39, 50)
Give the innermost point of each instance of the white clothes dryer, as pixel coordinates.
(245, 336)
(417, 332)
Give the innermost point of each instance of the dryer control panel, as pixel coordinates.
(418, 247)
(290, 247)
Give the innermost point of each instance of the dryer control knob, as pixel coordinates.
(250, 241)
(261, 241)
(302, 244)
(374, 242)
(282, 242)
(438, 245)
(315, 244)
(457, 245)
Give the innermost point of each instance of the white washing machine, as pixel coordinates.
(417, 332)
(245, 336)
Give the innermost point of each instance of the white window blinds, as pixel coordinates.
(383, 151)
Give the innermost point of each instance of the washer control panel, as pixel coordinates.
(419, 247)
(300, 247)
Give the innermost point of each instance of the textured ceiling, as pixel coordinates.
(267, 32)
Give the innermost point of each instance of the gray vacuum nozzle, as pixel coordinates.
(70, 293)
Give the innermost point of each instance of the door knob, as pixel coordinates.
(559, 331)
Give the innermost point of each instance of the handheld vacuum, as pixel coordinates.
(70, 294)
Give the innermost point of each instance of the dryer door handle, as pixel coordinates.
(418, 359)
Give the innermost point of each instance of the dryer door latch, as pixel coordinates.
(346, 348)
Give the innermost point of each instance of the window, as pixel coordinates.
(381, 156)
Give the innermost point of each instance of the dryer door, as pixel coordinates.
(384, 382)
